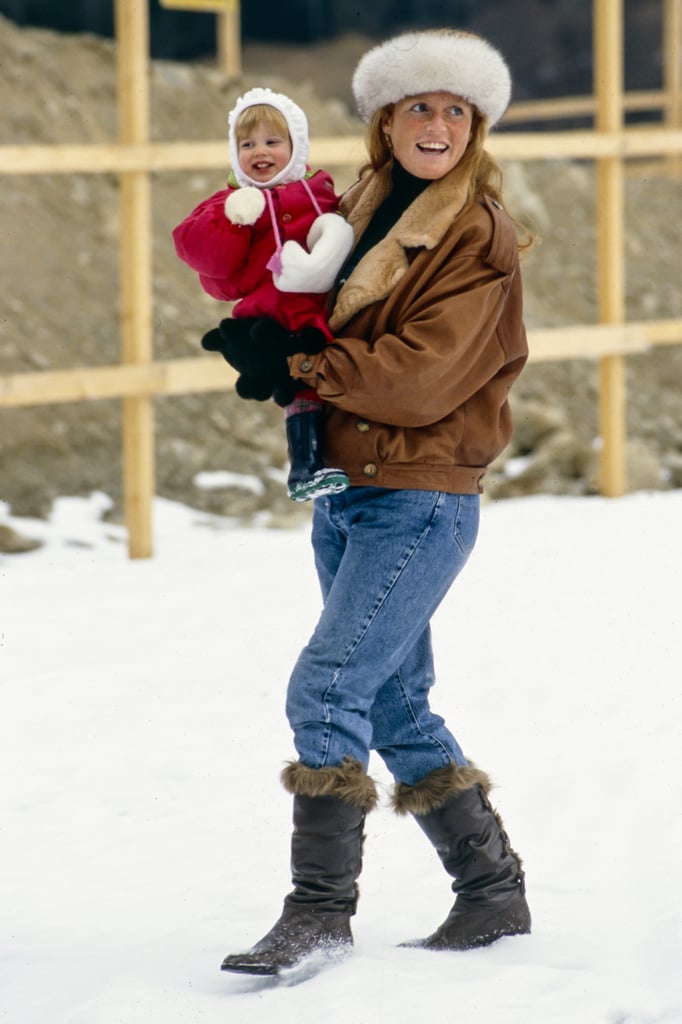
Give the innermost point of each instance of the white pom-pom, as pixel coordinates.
(245, 205)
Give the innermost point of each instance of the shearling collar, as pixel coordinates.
(422, 225)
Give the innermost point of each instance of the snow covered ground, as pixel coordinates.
(144, 833)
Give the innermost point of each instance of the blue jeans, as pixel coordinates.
(385, 560)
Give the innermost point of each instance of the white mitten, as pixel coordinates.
(245, 205)
(330, 239)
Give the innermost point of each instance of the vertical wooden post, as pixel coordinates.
(608, 88)
(672, 71)
(132, 35)
(228, 31)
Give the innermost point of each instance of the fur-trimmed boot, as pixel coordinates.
(326, 857)
(308, 476)
(451, 806)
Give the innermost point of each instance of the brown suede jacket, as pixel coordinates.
(429, 338)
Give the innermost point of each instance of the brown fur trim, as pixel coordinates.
(423, 224)
(432, 791)
(348, 781)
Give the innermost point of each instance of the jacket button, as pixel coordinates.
(362, 426)
(306, 365)
(286, 217)
(370, 469)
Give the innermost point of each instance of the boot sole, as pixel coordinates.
(440, 941)
(319, 488)
(308, 965)
(262, 969)
(461, 946)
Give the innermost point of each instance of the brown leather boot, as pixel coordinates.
(451, 807)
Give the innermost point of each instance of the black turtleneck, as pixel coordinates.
(405, 190)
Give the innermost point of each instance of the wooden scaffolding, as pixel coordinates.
(139, 377)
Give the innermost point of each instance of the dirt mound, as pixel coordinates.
(60, 286)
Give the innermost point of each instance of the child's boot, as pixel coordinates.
(309, 477)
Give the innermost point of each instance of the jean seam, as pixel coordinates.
(407, 704)
(466, 549)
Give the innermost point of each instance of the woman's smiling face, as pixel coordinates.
(429, 132)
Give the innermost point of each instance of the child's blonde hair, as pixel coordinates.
(261, 113)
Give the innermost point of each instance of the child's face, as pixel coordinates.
(263, 153)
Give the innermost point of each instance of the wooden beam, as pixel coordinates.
(228, 38)
(591, 341)
(661, 332)
(608, 89)
(200, 6)
(169, 377)
(228, 32)
(583, 106)
(132, 37)
(337, 151)
(206, 374)
(672, 72)
(672, 62)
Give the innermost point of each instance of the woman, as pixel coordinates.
(428, 341)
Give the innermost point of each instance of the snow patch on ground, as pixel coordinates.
(145, 834)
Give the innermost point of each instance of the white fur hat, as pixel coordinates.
(298, 130)
(438, 60)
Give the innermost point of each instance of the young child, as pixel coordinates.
(247, 241)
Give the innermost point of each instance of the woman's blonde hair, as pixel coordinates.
(258, 114)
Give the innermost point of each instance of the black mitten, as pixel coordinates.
(273, 344)
(311, 341)
(258, 388)
(273, 338)
(285, 392)
(232, 339)
(258, 348)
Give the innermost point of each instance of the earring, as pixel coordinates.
(389, 141)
